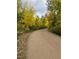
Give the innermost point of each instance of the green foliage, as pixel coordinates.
(27, 20)
(55, 20)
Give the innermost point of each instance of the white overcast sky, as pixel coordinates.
(39, 5)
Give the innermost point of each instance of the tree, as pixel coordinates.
(19, 16)
(27, 16)
(24, 16)
(19, 10)
(54, 6)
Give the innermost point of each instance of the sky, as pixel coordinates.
(39, 5)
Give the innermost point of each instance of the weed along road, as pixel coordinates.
(42, 44)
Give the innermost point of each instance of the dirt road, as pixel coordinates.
(42, 44)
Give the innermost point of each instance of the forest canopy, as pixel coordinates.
(27, 20)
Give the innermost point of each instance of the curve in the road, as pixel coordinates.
(42, 44)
